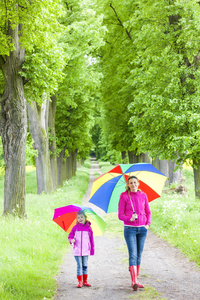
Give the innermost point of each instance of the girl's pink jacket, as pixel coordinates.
(84, 241)
(141, 207)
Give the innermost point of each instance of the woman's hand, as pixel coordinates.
(72, 242)
(146, 226)
(134, 216)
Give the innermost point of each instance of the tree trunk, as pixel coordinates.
(52, 143)
(38, 126)
(146, 158)
(66, 165)
(167, 168)
(74, 156)
(123, 154)
(156, 163)
(174, 177)
(164, 168)
(70, 170)
(134, 158)
(130, 157)
(14, 128)
(197, 179)
(69, 167)
(60, 159)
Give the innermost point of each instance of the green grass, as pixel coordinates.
(176, 219)
(113, 225)
(87, 163)
(105, 166)
(149, 293)
(31, 180)
(96, 174)
(32, 250)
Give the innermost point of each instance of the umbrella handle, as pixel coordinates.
(131, 203)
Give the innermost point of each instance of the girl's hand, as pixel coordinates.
(134, 216)
(146, 226)
(72, 242)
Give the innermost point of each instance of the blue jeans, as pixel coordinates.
(82, 264)
(135, 238)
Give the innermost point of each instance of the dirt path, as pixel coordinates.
(163, 267)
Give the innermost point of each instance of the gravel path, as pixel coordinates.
(163, 267)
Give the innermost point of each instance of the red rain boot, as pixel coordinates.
(138, 270)
(80, 281)
(133, 271)
(85, 283)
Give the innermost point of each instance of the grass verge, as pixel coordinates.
(32, 250)
(176, 219)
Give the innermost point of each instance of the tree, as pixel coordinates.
(41, 112)
(23, 26)
(116, 56)
(75, 96)
(165, 80)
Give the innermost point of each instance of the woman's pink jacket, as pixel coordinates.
(84, 241)
(141, 207)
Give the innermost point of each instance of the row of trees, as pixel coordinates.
(150, 86)
(132, 66)
(48, 73)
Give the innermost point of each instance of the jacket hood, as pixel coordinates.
(88, 223)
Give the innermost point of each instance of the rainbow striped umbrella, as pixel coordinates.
(65, 217)
(107, 188)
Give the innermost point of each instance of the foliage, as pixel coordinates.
(116, 56)
(32, 249)
(44, 60)
(177, 219)
(105, 166)
(42, 71)
(150, 85)
(165, 79)
(75, 97)
(30, 152)
(35, 17)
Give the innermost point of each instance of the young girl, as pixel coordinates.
(81, 237)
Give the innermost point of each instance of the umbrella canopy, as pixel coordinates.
(65, 217)
(107, 188)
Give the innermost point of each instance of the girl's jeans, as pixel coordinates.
(82, 264)
(135, 238)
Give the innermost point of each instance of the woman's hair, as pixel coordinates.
(81, 212)
(130, 177)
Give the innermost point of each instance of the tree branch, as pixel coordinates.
(67, 5)
(2, 61)
(120, 22)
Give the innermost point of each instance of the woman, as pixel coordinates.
(135, 212)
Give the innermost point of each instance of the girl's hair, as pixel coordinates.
(81, 212)
(127, 187)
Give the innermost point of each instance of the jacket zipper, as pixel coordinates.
(81, 242)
